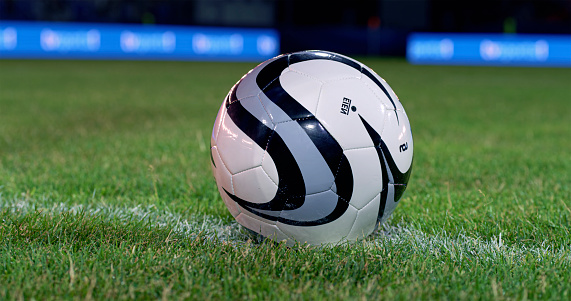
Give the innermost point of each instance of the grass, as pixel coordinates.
(106, 192)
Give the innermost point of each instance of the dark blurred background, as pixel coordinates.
(353, 27)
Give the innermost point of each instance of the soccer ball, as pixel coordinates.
(311, 147)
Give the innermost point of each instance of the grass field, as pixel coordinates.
(106, 190)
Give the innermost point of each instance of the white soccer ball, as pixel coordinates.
(311, 147)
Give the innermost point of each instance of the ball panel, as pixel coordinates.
(267, 216)
(332, 232)
(314, 169)
(308, 55)
(335, 111)
(379, 93)
(315, 207)
(254, 185)
(280, 105)
(398, 138)
(325, 70)
(301, 88)
(223, 181)
(387, 87)
(238, 151)
(247, 85)
(262, 227)
(366, 219)
(399, 191)
(269, 168)
(277, 115)
(217, 123)
(221, 173)
(254, 107)
(212, 163)
(367, 175)
(230, 204)
(389, 206)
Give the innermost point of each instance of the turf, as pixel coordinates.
(106, 191)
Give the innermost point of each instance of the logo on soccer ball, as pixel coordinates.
(288, 166)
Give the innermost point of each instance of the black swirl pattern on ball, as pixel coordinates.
(390, 171)
(290, 194)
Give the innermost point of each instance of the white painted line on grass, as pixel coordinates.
(461, 246)
(456, 247)
(199, 225)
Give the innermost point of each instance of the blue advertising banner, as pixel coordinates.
(134, 42)
(489, 49)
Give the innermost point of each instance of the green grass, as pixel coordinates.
(106, 191)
